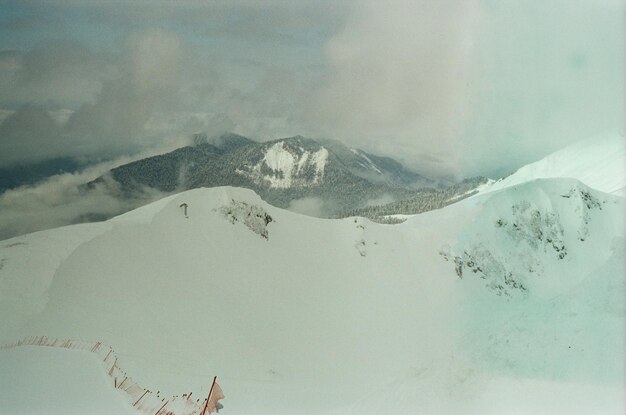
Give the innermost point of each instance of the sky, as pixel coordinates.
(450, 88)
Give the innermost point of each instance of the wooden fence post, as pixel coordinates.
(144, 394)
(208, 397)
(161, 408)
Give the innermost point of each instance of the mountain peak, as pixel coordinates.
(299, 141)
(226, 141)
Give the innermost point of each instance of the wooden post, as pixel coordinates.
(184, 206)
(137, 401)
(161, 408)
(206, 404)
(112, 367)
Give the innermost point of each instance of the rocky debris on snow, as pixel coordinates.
(254, 217)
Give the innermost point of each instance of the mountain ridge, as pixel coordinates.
(599, 162)
(282, 171)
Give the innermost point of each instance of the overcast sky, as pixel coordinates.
(449, 87)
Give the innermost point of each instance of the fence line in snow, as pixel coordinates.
(140, 398)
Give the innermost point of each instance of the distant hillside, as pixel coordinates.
(378, 169)
(280, 171)
(423, 200)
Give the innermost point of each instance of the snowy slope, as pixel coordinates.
(600, 163)
(56, 381)
(299, 315)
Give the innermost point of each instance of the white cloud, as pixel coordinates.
(311, 206)
(474, 87)
(545, 74)
(64, 199)
(398, 77)
(61, 73)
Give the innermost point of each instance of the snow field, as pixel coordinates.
(302, 315)
(45, 380)
(136, 397)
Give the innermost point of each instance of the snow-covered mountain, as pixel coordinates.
(285, 164)
(507, 302)
(379, 169)
(599, 163)
(280, 171)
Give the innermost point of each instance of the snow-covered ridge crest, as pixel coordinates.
(283, 167)
(599, 163)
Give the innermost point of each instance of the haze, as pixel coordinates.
(451, 88)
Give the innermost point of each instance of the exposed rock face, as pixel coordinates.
(529, 231)
(253, 217)
(284, 166)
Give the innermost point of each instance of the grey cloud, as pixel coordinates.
(149, 75)
(60, 74)
(120, 96)
(26, 135)
(155, 77)
(449, 87)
